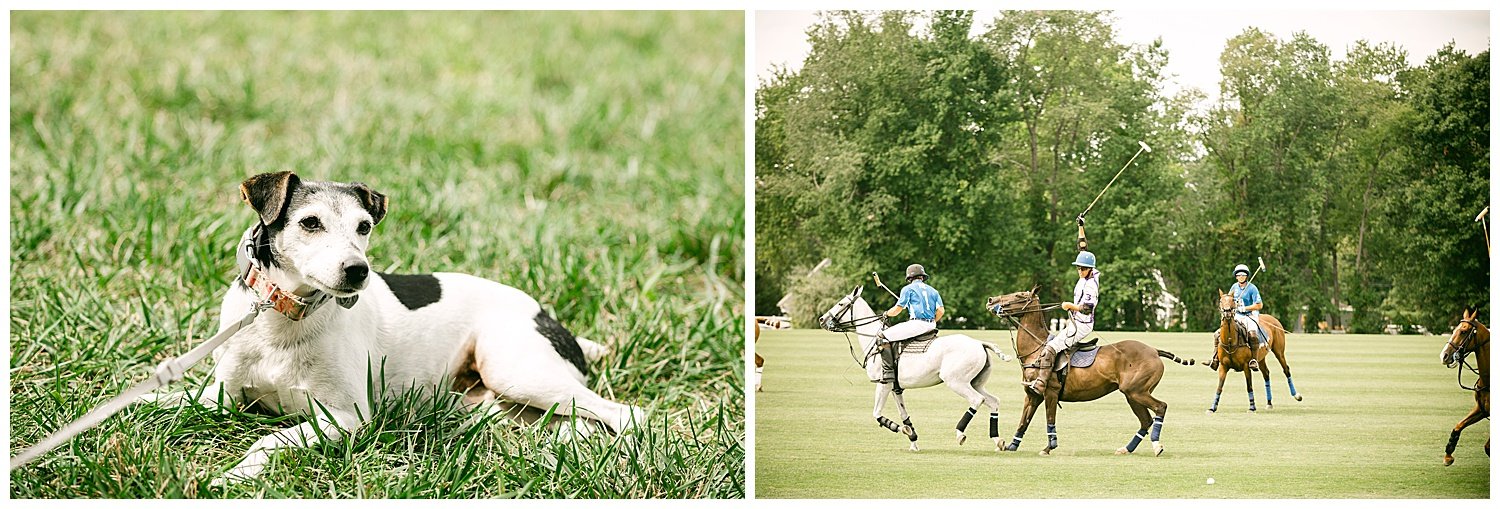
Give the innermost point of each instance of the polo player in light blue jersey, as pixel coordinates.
(1248, 305)
(925, 307)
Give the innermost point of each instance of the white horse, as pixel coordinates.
(960, 361)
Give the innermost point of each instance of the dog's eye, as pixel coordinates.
(363, 228)
(311, 223)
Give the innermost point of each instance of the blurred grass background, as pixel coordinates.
(591, 159)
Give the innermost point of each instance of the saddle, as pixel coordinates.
(1081, 355)
(913, 336)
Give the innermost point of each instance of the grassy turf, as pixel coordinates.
(593, 160)
(1375, 417)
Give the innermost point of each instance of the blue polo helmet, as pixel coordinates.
(1085, 259)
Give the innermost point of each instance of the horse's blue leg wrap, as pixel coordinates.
(1156, 429)
(995, 425)
(963, 422)
(1291, 386)
(1051, 436)
(1252, 401)
(1135, 440)
(1015, 443)
(1268, 392)
(1216, 402)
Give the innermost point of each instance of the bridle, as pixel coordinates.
(1226, 315)
(852, 325)
(1002, 310)
(1461, 350)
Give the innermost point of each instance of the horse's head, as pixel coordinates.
(835, 318)
(1013, 303)
(1464, 339)
(1226, 304)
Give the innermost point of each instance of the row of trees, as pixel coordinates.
(905, 139)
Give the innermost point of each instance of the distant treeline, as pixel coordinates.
(904, 140)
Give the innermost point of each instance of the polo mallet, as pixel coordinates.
(1486, 227)
(1258, 269)
(882, 285)
(1144, 148)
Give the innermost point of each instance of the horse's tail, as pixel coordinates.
(1179, 360)
(995, 349)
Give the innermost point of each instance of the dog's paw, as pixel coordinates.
(591, 350)
(246, 470)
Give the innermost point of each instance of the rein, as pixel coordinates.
(853, 325)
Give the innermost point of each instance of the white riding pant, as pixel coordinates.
(1251, 322)
(1072, 333)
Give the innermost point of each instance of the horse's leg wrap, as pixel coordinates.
(995, 425)
(963, 422)
(1215, 407)
(1015, 442)
(1452, 442)
(1268, 393)
(1291, 386)
(1051, 436)
(910, 426)
(889, 424)
(1135, 440)
(1156, 429)
(1252, 401)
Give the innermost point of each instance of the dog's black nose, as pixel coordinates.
(356, 273)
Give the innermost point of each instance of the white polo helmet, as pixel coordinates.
(1241, 269)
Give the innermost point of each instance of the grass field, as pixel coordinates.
(1376, 414)
(593, 160)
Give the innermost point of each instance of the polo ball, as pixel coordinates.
(1210, 480)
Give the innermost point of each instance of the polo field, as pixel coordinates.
(1376, 414)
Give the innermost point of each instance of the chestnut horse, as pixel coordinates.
(1132, 367)
(1234, 351)
(1470, 337)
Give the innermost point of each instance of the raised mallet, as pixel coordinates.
(1262, 267)
(882, 285)
(1486, 227)
(1144, 148)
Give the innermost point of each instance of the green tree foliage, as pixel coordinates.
(913, 137)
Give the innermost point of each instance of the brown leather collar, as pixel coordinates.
(287, 303)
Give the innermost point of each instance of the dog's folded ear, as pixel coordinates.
(268, 193)
(374, 202)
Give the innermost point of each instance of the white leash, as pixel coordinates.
(170, 370)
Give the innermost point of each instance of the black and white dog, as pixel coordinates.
(441, 330)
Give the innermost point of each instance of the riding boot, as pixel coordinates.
(888, 357)
(1039, 384)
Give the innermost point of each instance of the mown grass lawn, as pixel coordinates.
(593, 160)
(1376, 414)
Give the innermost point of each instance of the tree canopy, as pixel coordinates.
(905, 139)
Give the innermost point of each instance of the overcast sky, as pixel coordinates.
(1194, 38)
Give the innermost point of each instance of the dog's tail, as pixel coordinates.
(591, 350)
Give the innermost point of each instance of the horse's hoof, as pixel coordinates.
(1447, 461)
(1011, 448)
(914, 447)
(1045, 452)
(1159, 449)
(962, 437)
(1121, 451)
(1210, 411)
(1298, 397)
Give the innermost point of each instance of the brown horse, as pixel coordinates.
(1233, 350)
(1470, 337)
(1132, 367)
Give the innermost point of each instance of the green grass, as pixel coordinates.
(1376, 414)
(593, 160)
